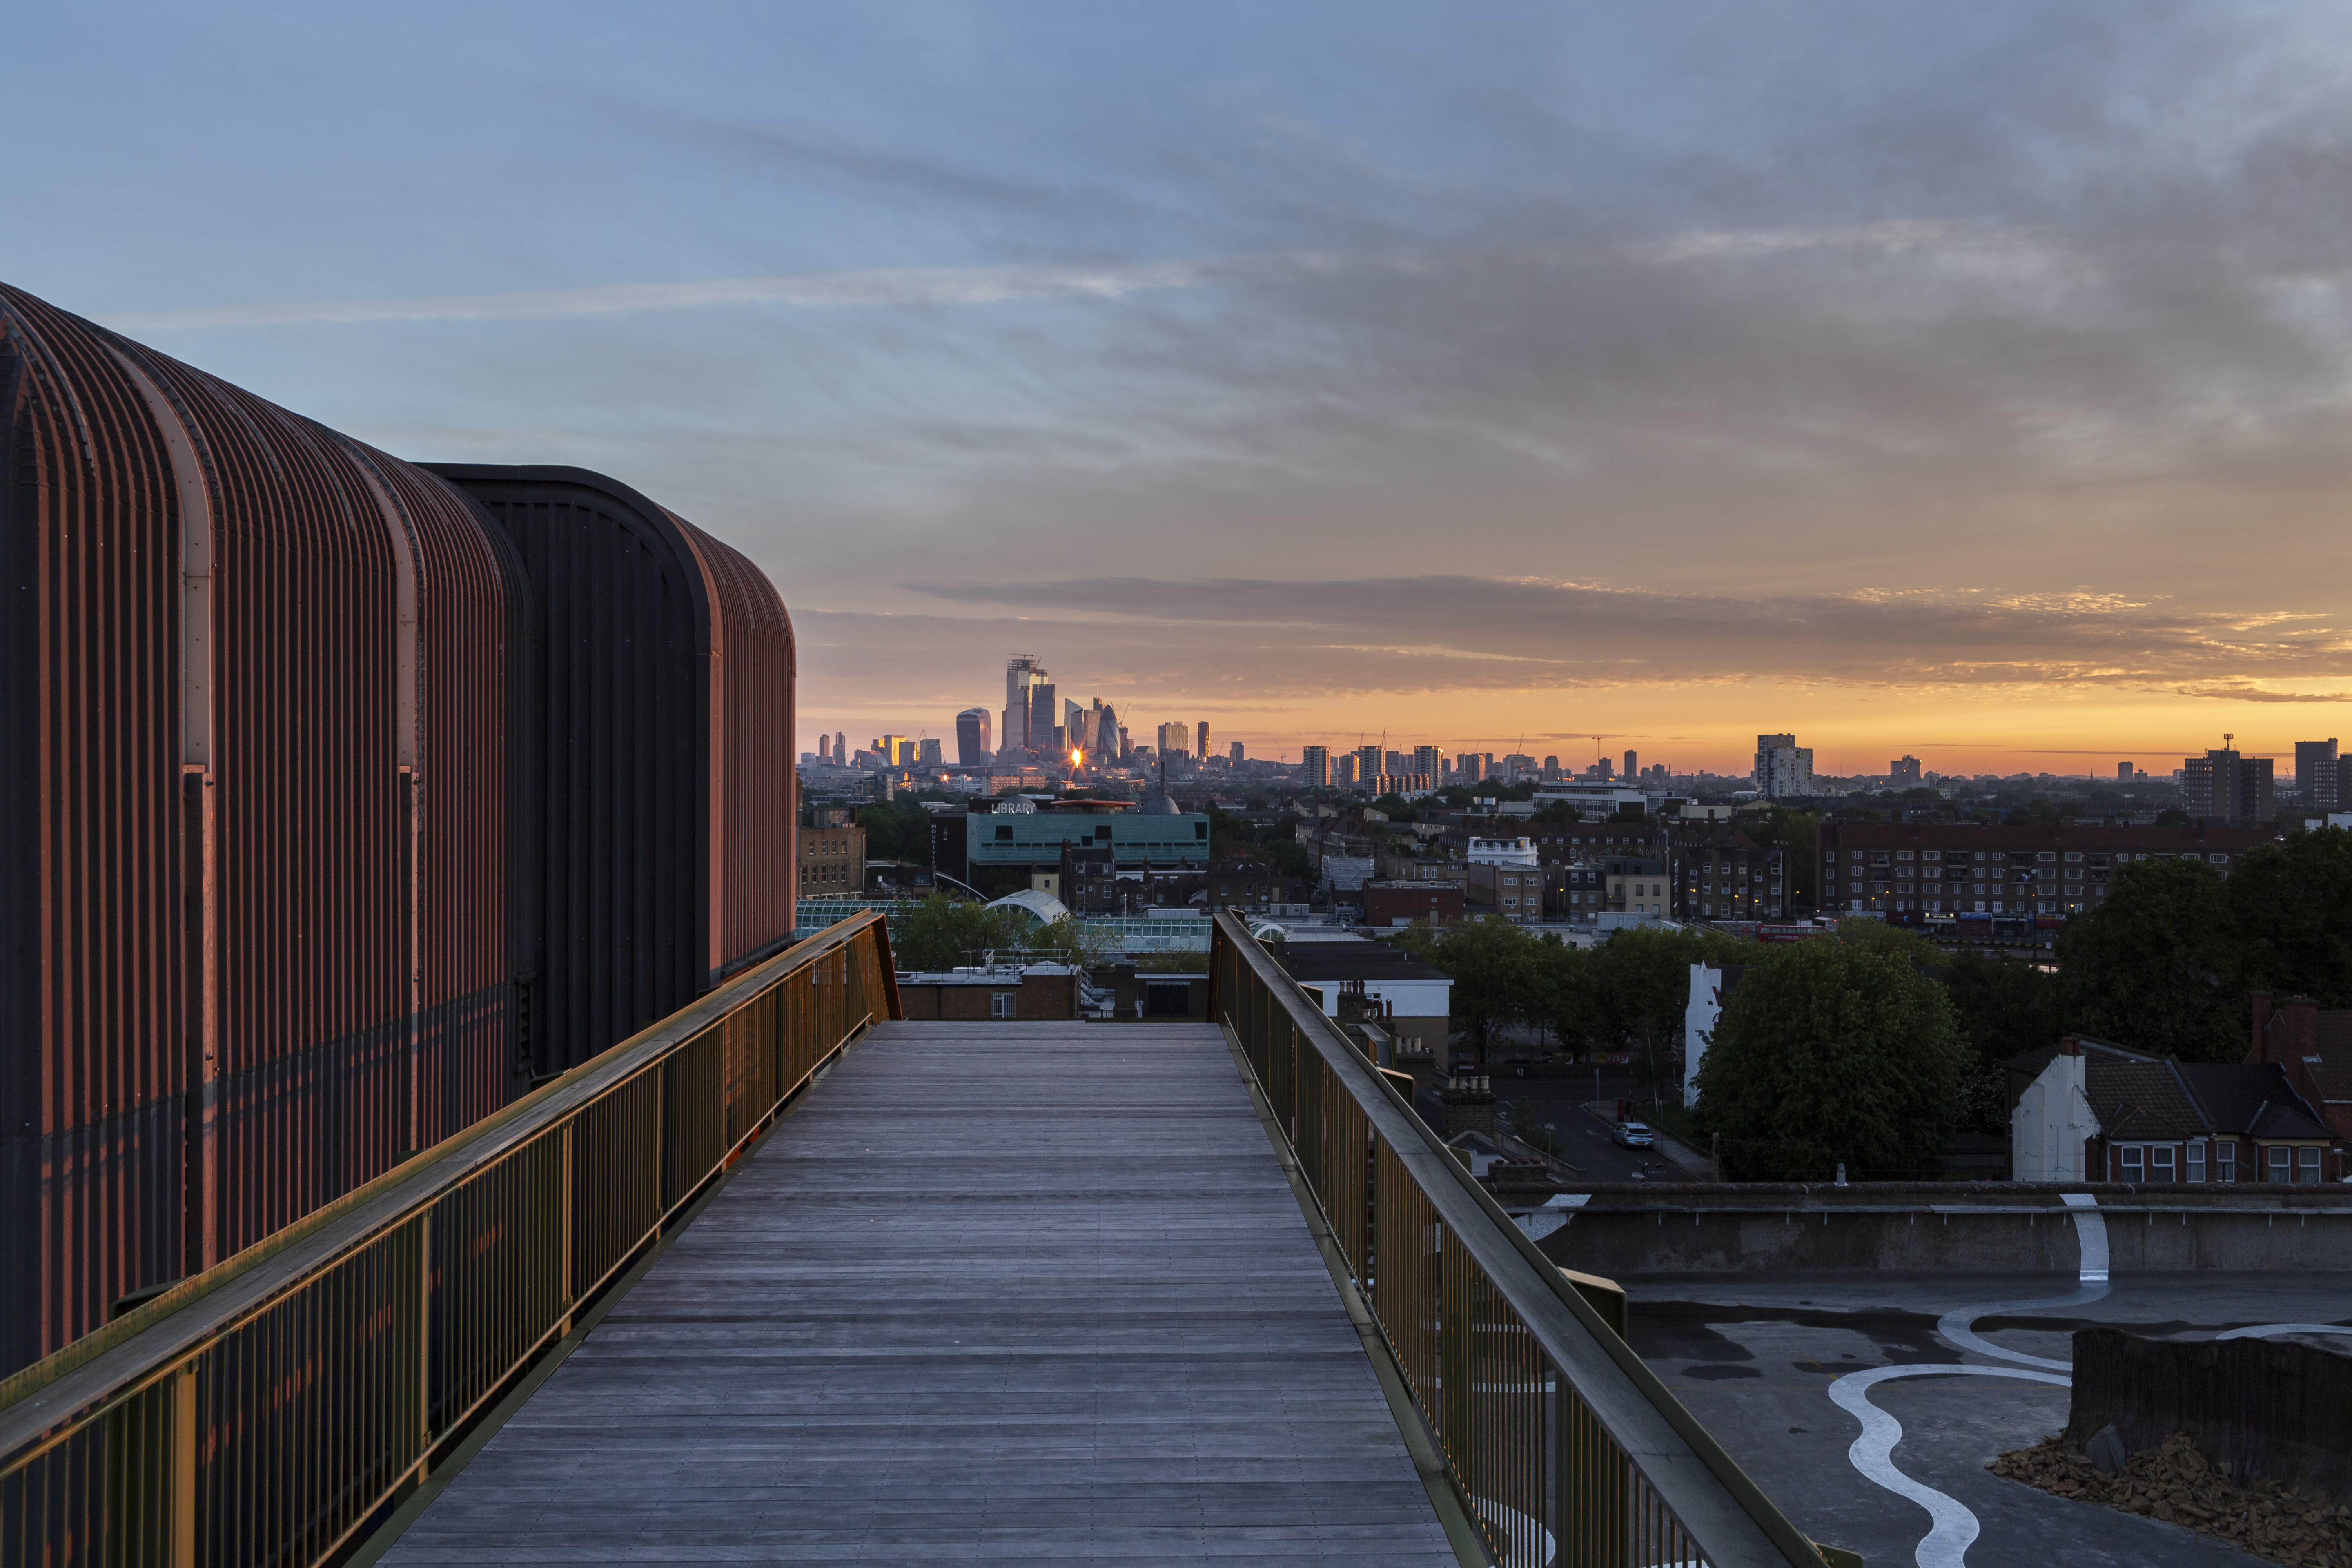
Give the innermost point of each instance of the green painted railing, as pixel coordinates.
(276, 1408)
(1565, 1446)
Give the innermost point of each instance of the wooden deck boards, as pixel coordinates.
(1010, 1293)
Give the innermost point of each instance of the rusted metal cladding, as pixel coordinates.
(254, 871)
(754, 815)
(661, 834)
(94, 1037)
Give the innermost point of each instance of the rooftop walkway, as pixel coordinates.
(995, 1292)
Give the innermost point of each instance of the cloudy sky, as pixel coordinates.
(1971, 381)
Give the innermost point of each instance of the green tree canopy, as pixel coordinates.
(942, 933)
(1494, 967)
(2291, 912)
(2151, 966)
(1828, 1053)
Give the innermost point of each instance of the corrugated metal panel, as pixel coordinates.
(755, 816)
(664, 827)
(611, 844)
(255, 720)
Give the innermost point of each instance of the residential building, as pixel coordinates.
(1633, 765)
(1636, 885)
(972, 748)
(1201, 742)
(1953, 869)
(2314, 1049)
(1370, 764)
(1400, 903)
(1233, 758)
(2317, 774)
(1471, 767)
(1783, 768)
(1906, 770)
(2087, 1110)
(1023, 674)
(1316, 766)
(1575, 892)
(1399, 783)
(1511, 888)
(2225, 787)
(1429, 761)
(1721, 874)
(1503, 852)
(831, 859)
(1252, 884)
(1343, 770)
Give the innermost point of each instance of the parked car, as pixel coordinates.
(1632, 1135)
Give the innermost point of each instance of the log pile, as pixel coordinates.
(2174, 1482)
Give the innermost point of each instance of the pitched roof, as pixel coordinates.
(2140, 1097)
(2255, 1099)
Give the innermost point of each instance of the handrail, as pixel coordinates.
(1566, 1447)
(275, 1406)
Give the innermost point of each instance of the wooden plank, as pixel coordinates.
(995, 1293)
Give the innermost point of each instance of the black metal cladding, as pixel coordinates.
(277, 808)
(662, 847)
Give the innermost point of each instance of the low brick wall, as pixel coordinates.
(1641, 1229)
(2272, 1410)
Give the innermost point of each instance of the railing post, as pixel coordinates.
(425, 1343)
(1594, 1526)
(183, 1419)
(564, 1283)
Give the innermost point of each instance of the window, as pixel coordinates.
(1004, 836)
(1931, 854)
(2281, 1163)
(2195, 1170)
(1000, 1004)
(1999, 854)
(2159, 1162)
(2075, 873)
(2133, 1162)
(1903, 854)
(1979, 854)
(2047, 855)
(1857, 854)
(2307, 1165)
(2220, 859)
(2225, 1161)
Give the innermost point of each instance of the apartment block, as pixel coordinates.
(1952, 868)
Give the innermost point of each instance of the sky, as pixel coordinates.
(1972, 381)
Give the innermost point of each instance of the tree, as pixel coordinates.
(1827, 1054)
(1492, 964)
(2004, 1008)
(2151, 967)
(1792, 830)
(940, 932)
(1890, 941)
(1556, 811)
(2290, 911)
(1395, 807)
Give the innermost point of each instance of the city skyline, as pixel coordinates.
(1894, 376)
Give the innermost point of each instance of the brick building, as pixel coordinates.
(1000, 995)
(1949, 868)
(1400, 903)
(832, 860)
(1515, 892)
(1721, 874)
(1248, 884)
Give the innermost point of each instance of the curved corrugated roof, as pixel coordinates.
(1044, 906)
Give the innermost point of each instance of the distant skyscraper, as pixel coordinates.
(1343, 769)
(1201, 742)
(1368, 764)
(1110, 740)
(972, 749)
(2317, 773)
(1175, 739)
(1236, 756)
(1783, 768)
(927, 753)
(2124, 772)
(1044, 717)
(1318, 767)
(840, 750)
(1428, 759)
(1633, 765)
(1021, 673)
(1906, 770)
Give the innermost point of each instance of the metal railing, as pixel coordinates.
(1564, 1446)
(276, 1408)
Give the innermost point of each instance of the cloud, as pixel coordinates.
(1430, 634)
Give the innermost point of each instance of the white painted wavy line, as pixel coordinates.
(1957, 1325)
(1955, 1527)
(2264, 1330)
